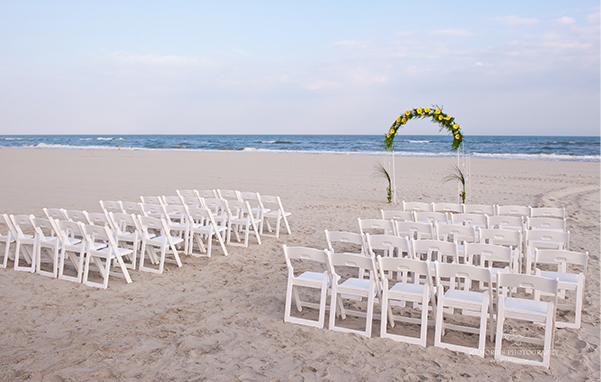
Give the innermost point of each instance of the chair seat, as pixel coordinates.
(122, 252)
(563, 277)
(356, 283)
(316, 276)
(408, 288)
(524, 305)
(465, 295)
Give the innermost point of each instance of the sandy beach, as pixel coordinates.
(221, 318)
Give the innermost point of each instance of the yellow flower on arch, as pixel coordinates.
(455, 126)
(457, 136)
(391, 131)
(419, 111)
(437, 111)
(407, 113)
(427, 110)
(387, 135)
(398, 120)
(404, 120)
(448, 117)
(440, 117)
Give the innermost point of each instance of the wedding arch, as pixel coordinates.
(435, 113)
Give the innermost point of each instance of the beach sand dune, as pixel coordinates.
(221, 318)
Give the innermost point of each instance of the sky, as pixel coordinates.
(509, 67)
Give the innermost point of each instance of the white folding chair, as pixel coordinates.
(455, 208)
(186, 193)
(203, 225)
(513, 210)
(345, 242)
(241, 219)
(395, 293)
(103, 258)
(455, 233)
(152, 210)
(24, 240)
(73, 248)
(254, 200)
(376, 226)
(543, 239)
(561, 260)
(111, 206)
(176, 217)
(126, 231)
(532, 310)
(388, 246)
(353, 288)
(504, 237)
(155, 234)
(416, 206)
(497, 258)
(7, 239)
(190, 201)
(218, 208)
(515, 223)
(471, 301)
(414, 230)
(479, 209)
(45, 239)
(273, 210)
(397, 215)
(435, 250)
(308, 280)
(206, 194)
(548, 212)
(171, 199)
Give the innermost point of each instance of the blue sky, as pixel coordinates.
(298, 67)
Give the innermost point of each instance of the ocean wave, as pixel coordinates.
(410, 141)
(105, 138)
(278, 142)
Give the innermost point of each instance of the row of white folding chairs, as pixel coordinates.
(493, 209)
(477, 219)
(68, 240)
(416, 286)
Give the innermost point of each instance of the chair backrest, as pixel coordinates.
(546, 237)
(316, 256)
(174, 212)
(377, 226)
(417, 206)
(98, 234)
(435, 250)
(352, 264)
(489, 255)
(462, 275)
(131, 208)
(172, 199)
(147, 223)
(98, 218)
(11, 228)
(512, 210)
(151, 199)
(397, 215)
(190, 201)
(67, 229)
(388, 245)
(121, 222)
(561, 259)
(252, 198)
(345, 242)
(511, 283)
(186, 193)
(447, 207)
(430, 217)
(504, 237)
(480, 209)
(216, 205)
(54, 213)
(273, 203)
(505, 222)
(199, 216)
(548, 212)
(76, 216)
(414, 230)
(43, 227)
(111, 206)
(409, 267)
(546, 223)
(455, 232)
(478, 220)
(152, 210)
(206, 193)
(228, 194)
(22, 225)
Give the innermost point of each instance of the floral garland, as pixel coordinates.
(444, 120)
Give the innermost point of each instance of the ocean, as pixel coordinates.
(554, 148)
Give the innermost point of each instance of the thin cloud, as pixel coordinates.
(566, 20)
(452, 32)
(157, 60)
(351, 44)
(516, 20)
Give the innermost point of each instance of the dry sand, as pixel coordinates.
(221, 318)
